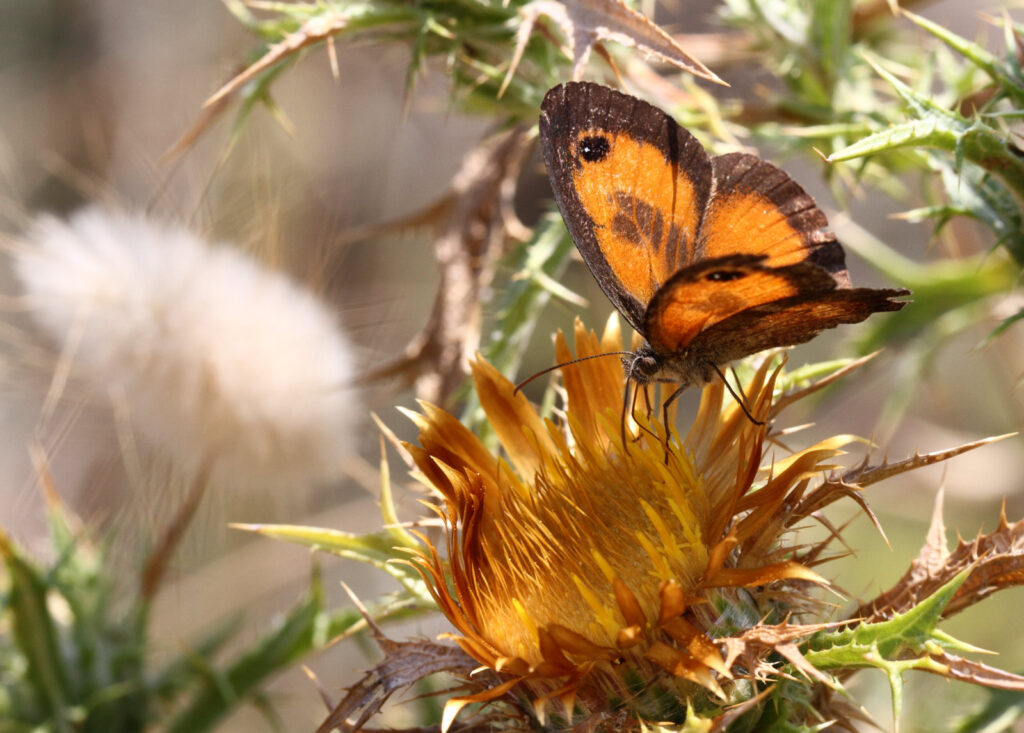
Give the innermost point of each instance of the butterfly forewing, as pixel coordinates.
(631, 185)
(757, 208)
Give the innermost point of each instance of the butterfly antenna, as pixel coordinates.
(741, 399)
(550, 369)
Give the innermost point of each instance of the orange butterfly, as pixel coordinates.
(710, 259)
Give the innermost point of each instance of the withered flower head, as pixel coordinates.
(595, 573)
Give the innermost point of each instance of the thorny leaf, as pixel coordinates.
(321, 27)
(751, 649)
(867, 14)
(977, 673)
(35, 633)
(849, 484)
(936, 127)
(316, 29)
(994, 561)
(997, 70)
(377, 549)
(405, 663)
(472, 221)
(866, 475)
(585, 23)
(905, 641)
(876, 642)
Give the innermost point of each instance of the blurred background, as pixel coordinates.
(97, 92)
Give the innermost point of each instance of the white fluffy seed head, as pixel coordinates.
(216, 358)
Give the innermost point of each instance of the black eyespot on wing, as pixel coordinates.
(724, 276)
(594, 148)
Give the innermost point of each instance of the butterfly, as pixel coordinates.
(710, 259)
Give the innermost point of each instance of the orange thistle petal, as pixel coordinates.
(750, 577)
(577, 644)
(696, 643)
(628, 605)
(683, 664)
(673, 601)
(455, 704)
(521, 431)
(592, 385)
(551, 651)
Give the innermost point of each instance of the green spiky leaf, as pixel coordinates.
(380, 549)
(904, 642)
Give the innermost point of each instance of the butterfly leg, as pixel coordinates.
(741, 399)
(664, 413)
(626, 406)
(649, 411)
(629, 408)
(647, 402)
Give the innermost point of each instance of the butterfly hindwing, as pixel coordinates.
(791, 321)
(631, 184)
(711, 291)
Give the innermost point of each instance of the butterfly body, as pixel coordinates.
(710, 259)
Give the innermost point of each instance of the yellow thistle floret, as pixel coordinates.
(580, 567)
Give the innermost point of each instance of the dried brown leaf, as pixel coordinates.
(405, 664)
(827, 493)
(977, 673)
(720, 48)
(207, 116)
(865, 474)
(759, 641)
(833, 706)
(852, 481)
(813, 555)
(314, 30)
(828, 708)
(325, 696)
(170, 538)
(321, 28)
(934, 553)
(471, 228)
(585, 23)
(734, 713)
(791, 652)
(995, 560)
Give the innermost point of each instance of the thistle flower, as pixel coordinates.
(218, 360)
(596, 573)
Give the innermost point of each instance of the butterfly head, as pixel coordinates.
(684, 368)
(643, 366)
